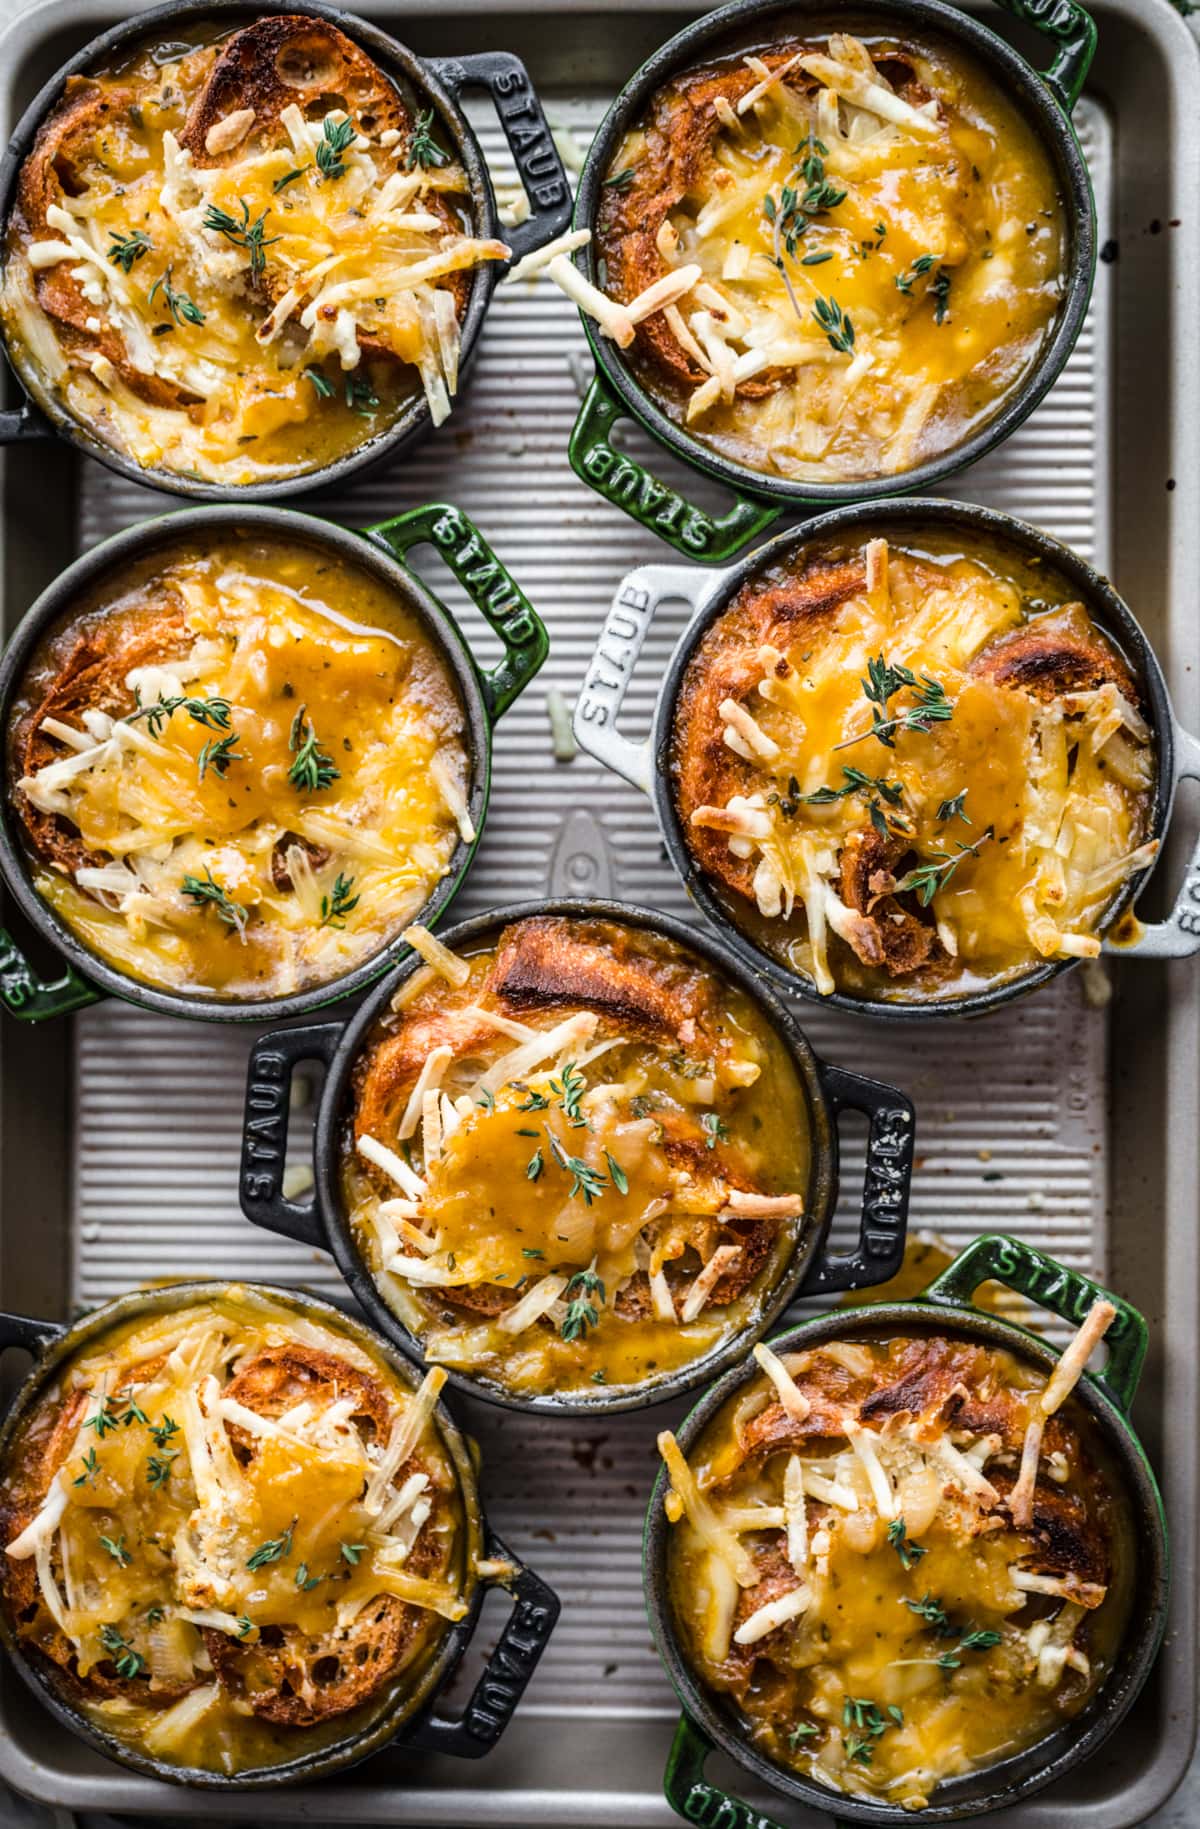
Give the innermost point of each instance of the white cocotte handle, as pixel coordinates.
(1178, 937)
(610, 673)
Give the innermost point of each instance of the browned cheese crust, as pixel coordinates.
(680, 127)
(279, 60)
(941, 1380)
(895, 933)
(548, 964)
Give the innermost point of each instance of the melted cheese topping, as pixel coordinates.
(289, 336)
(1014, 820)
(880, 1621)
(173, 1508)
(288, 791)
(572, 1184)
(897, 267)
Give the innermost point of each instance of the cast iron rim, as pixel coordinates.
(1110, 611)
(413, 420)
(821, 1196)
(1021, 83)
(1048, 1759)
(170, 529)
(391, 1715)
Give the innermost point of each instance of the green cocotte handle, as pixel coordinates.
(620, 479)
(1066, 1293)
(491, 588)
(689, 1793)
(1074, 32)
(33, 999)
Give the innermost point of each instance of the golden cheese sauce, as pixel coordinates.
(877, 243)
(231, 1534)
(936, 773)
(865, 1601)
(241, 771)
(254, 304)
(565, 1200)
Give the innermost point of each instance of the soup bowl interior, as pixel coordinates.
(820, 1194)
(198, 528)
(748, 24)
(198, 21)
(1008, 1780)
(977, 527)
(374, 1723)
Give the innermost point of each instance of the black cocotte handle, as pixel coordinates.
(273, 1061)
(887, 1183)
(28, 1332)
(535, 155)
(493, 1701)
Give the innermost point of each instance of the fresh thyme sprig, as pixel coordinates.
(206, 892)
(103, 1419)
(336, 138)
(921, 265)
(218, 754)
(899, 1539)
(933, 1614)
(128, 1662)
(882, 684)
(323, 386)
(213, 713)
(582, 1312)
(313, 769)
(350, 1552)
(91, 1466)
(621, 180)
(289, 177)
(569, 1089)
(360, 396)
(928, 879)
(875, 788)
(158, 1470)
(953, 809)
(586, 1180)
(183, 309)
(977, 1640)
(336, 906)
(939, 292)
(163, 1430)
(116, 1549)
(423, 149)
(127, 250)
(245, 234)
(273, 1550)
(839, 330)
(863, 1715)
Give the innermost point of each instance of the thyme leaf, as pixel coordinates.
(251, 236)
(127, 250)
(336, 138)
(313, 770)
(423, 149)
(335, 907)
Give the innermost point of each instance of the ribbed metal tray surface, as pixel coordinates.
(1013, 1111)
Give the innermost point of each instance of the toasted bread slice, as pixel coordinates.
(288, 1676)
(1047, 661)
(893, 932)
(292, 58)
(89, 676)
(67, 151)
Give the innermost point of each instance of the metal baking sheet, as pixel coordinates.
(1072, 1124)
